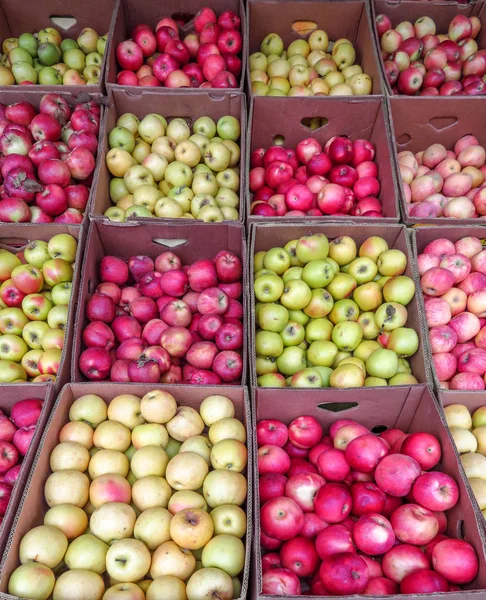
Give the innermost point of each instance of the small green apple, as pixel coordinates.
(382, 363)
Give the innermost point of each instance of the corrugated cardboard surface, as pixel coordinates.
(129, 13)
(411, 10)
(421, 236)
(417, 123)
(411, 409)
(266, 236)
(33, 506)
(189, 107)
(26, 16)
(352, 117)
(15, 238)
(190, 242)
(340, 19)
(11, 394)
(14, 94)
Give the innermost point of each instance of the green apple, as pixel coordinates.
(298, 316)
(115, 214)
(273, 317)
(399, 289)
(365, 349)
(322, 353)
(307, 378)
(279, 68)
(382, 363)
(392, 263)
(404, 366)
(347, 376)
(293, 334)
(372, 247)
(205, 126)
(402, 379)
(291, 248)
(312, 247)
(347, 335)
(177, 174)
(264, 272)
(318, 329)
(353, 360)
(36, 253)
(258, 61)
(325, 373)
(341, 355)
(274, 380)
(75, 59)
(12, 347)
(391, 315)
(370, 329)
(49, 54)
(381, 281)
(12, 320)
(61, 293)
(265, 365)
(292, 273)
(19, 55)
(363, 269)
(49, 76)
(130, 121)
(268, 288)
(57, 317)
(375, 382)
(68, 44)
(404, 341)
(228, 128)
(344, 310)
(318, 273)
(94, 59)
(343, 250)
(36, 307)
(291, 360)
(368, 296)
(296, 295)
(33, 333)
(299, 47)
(478, 417)
(101, 44)
(272, 44)
(333, 264)
(28, 42)
(342, 286)
(268, 343)
(87, 40)
(277, 259)
(121, 137)
(205, 183)
(228, 179)
(320, 304)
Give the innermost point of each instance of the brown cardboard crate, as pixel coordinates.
(412, 409)
(434, 121)
(70, 18)
(265, 236)
(442, 12)
(191, 242)
(129, 13)
(11, 394)
(13, 94)
(340, 19)
(33, 506)
(189, 107)
(356, 118)
(15, 238)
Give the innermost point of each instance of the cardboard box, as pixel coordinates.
(272, 119)
(33, 506)
(411, 409)
(417, 123)
(421, 236)
(14, 94)
(266, 236)
(190, 242)
(123, 100)
(442, 12)
(129, 13)
(11, 394)
(70, 18)
(14, 238)
(340, 19)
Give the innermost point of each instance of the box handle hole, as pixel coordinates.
(278, 140)
(314, 123)
(63, 22)
(460, 529)
(176, 243)
(441, 123)
(379, 429)
(337, 406)
(304, 28)
(403, 139)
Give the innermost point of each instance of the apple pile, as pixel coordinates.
(453, 281)
(161, 169)
(34, 298)
(47, 160)
(154, 321)
(418, 59)
(312, 67)
(340, 178)
(16, 433)
(469, 435)
(138, 491)
(44, 57)
(445, 183)
(207, 58)
(352, 512)
(328, 318)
